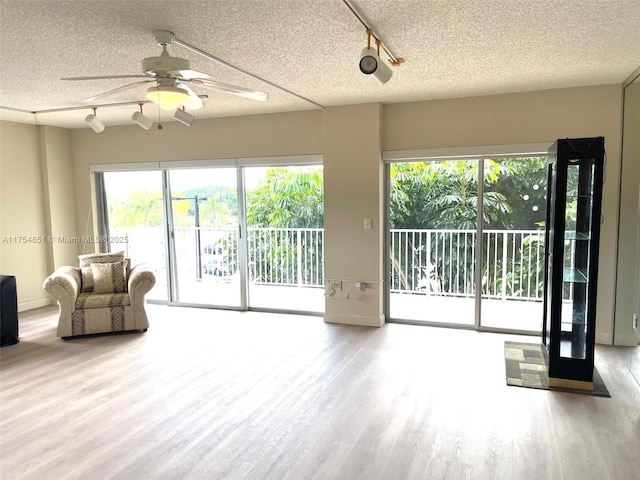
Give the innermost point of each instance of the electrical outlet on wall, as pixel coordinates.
(635, 322)
(335, 284)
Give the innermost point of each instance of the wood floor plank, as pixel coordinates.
(208, 394)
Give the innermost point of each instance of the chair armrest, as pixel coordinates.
(64, 286)
(141, 280)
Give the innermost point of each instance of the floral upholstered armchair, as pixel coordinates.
(102, 295)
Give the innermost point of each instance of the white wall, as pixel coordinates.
(23, 243)
(37, 206)
(353, 180)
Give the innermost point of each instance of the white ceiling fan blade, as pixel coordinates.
(194, 102)
(116, 90)
(188, 74)
(232, 89)
(107, 77)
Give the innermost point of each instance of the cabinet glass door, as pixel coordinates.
(576, 259)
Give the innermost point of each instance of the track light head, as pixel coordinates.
(94, 122)
(368, 61)
(371, 64)
(184, 117)
(140, 119)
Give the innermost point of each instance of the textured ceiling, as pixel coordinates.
(452, 48)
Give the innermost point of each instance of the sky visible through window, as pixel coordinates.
(121, 184)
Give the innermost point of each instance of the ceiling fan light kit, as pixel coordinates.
(167, 97)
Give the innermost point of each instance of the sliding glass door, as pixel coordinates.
(433, 211)
(204, 227)
(134, 222)
(285, 236)
(514, 208)
(466, 242)
(212, 244)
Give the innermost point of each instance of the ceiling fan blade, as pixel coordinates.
(116, 90)
(188, 74)
(194, 102)
(232, 89)
(104, 77)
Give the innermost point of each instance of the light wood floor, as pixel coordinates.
(208, 394)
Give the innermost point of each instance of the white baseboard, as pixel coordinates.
(354, 320)
(41, 302)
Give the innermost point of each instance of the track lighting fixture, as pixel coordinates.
(94, 122)
(370, 63)
(183, 117)
(137, 117)
(140, 119)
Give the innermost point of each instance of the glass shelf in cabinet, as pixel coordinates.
(573, 235)
(574, 275)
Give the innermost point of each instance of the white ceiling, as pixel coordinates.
(452, 48)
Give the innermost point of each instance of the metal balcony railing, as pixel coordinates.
(427, 261)
(443, 262)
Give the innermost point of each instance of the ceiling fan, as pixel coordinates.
(170, 76)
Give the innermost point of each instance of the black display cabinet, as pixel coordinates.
(574, 199)
(8, 311)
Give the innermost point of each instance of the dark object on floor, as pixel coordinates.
(525, 367)
(8, 311)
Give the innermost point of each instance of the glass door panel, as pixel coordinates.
(135, 222)
(204, 228)
(433, 212)
(285, 220)
(576, 260)
(513, 216)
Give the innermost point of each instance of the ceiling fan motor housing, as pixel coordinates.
(164, 64)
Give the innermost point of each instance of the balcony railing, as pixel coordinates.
(443, 262)
(286, 256)
(429, 262)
